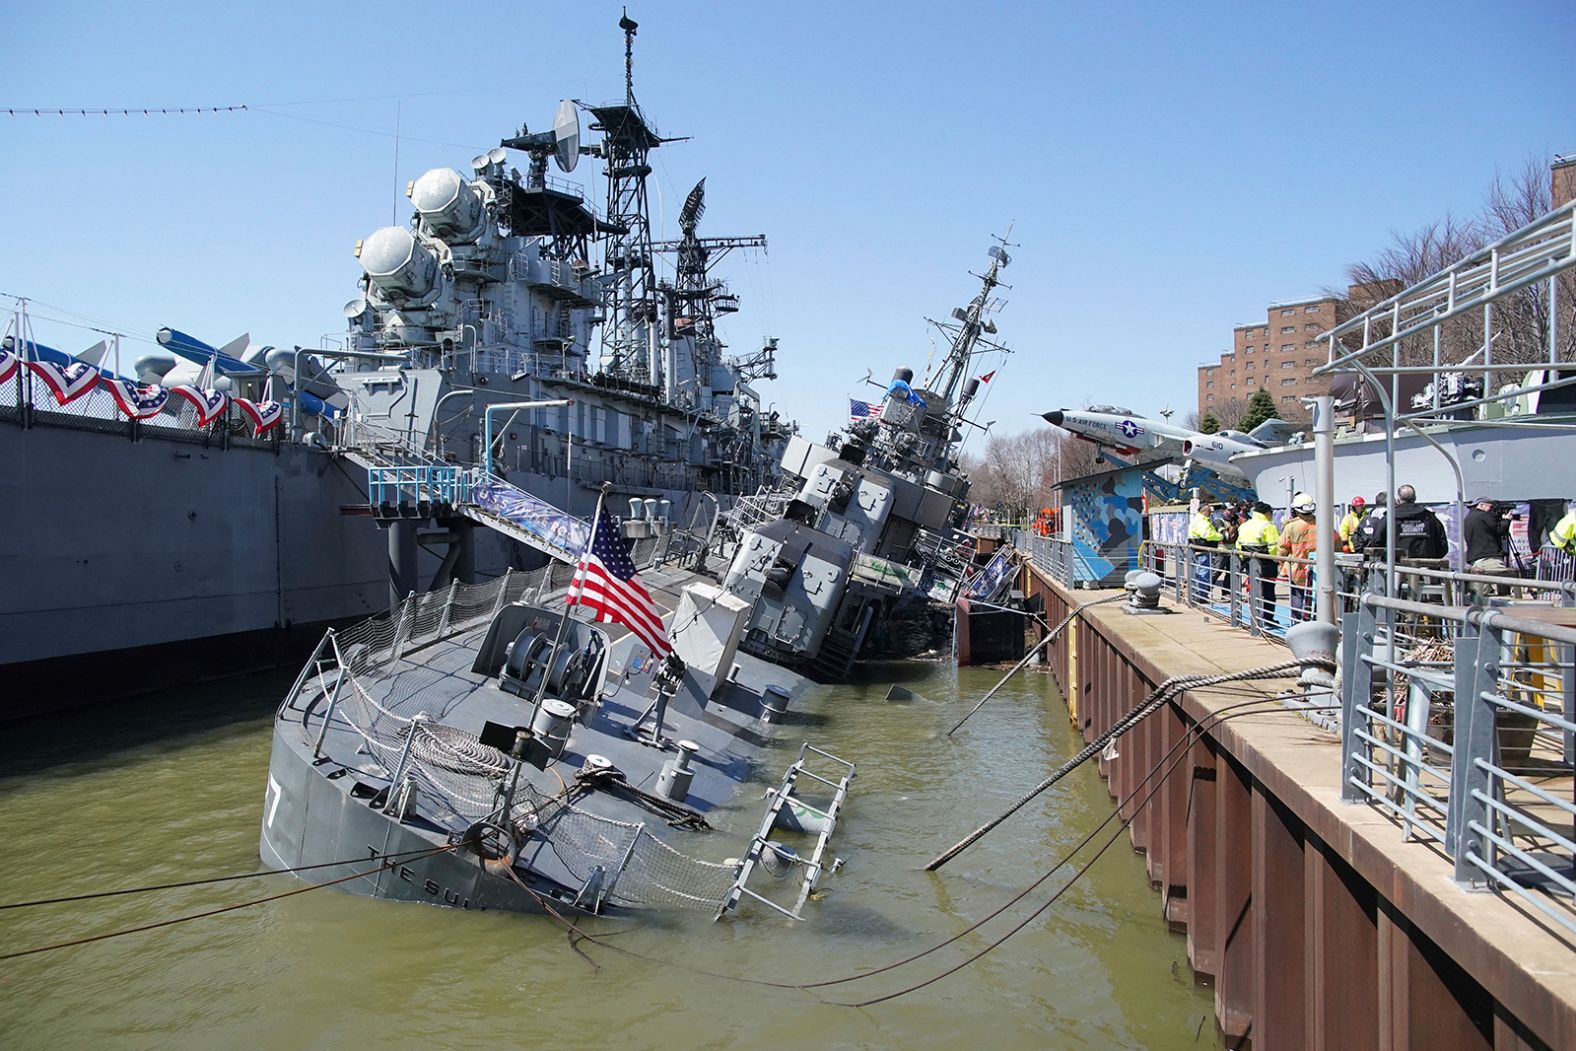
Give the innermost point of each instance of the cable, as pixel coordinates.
(1208, 723)
(215, 912)
(134, 111)
(203, 882)
(1161, 694)
(1077, 874)
(1050, 638)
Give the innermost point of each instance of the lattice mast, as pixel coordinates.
(629, 335)
(694, 298)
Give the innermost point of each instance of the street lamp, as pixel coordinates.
(487, 418)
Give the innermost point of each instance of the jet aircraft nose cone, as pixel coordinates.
(1053, 418)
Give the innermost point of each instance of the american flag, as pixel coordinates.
(864, 410)
(605, 583)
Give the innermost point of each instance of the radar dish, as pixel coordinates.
(999, 254)
(496, 155)
(479, 162)
(355, 308)
(566, 136)
(694, 207)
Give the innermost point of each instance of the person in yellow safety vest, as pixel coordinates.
(1258, 536)
(1563, 535)
(1354, 518)
(1202, 533)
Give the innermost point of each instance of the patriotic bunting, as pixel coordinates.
(9, 363)
(140, 403)
(66, 382)
(210, 403)
(605, 582)
(265, 415)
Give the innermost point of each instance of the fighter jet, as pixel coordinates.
(1120, 431)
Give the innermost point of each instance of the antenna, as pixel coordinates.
(629, 25)
(562, 144)
(694, 207)
(566, 136)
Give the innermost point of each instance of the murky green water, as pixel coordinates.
(135, 796)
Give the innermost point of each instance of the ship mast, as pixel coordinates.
(629, 336)
(970, 331)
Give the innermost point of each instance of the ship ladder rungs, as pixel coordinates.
(823, 823)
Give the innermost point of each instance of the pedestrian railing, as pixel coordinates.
(1264, 594)
(1466, 739)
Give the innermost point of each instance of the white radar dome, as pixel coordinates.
(396, 262)
(447, 203)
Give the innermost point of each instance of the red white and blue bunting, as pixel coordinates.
(140, 403)
(265, 415)
(9, 363)
(210, 403)
(66, 382)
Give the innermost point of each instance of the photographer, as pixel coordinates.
(1487, 535)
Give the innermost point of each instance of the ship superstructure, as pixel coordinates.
(506, 285)
(884, 497)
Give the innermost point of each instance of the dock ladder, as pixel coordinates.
(787, 810)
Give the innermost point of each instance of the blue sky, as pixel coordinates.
(1167, 170)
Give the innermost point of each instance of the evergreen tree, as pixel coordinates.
(1209, 425)
(1261, 407)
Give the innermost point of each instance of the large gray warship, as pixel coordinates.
(233, 546)
(484, 748)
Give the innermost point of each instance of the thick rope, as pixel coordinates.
(1160, 696)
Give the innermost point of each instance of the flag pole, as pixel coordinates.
(563, 622)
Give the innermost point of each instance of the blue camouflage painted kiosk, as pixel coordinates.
(1103, 522)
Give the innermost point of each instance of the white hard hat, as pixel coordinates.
(1302, 503)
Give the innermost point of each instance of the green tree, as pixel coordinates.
(1209, 425)
(1261, 407)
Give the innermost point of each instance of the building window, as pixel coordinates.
(1288, 346)
(1249, 365)
(1209, 397)
(1288, 328)
(1288, 312)
(1311, 309)
(1289, 381)
(1248, 349)
(1210, 385)
(1288, 364)
(1288, 397)
(1311, 327)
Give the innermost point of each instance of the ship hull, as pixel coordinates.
(131, 566)
(309, 820)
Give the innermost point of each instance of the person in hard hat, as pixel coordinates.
(1298, 541)
(1563, 535)
(1203, 535)
(1357, 510)
(1368, 537)
(1258, 536)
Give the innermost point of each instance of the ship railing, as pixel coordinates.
(952, 552)
(368, 685)
(751, 511)
(28, 402)
(1469, 746)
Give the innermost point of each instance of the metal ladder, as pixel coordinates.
(782, 797)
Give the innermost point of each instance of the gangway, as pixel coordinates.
(404, 483)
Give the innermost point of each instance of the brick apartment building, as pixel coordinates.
(1281, 354)
(1278, 354)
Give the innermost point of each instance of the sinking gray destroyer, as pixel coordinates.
(482, 749)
